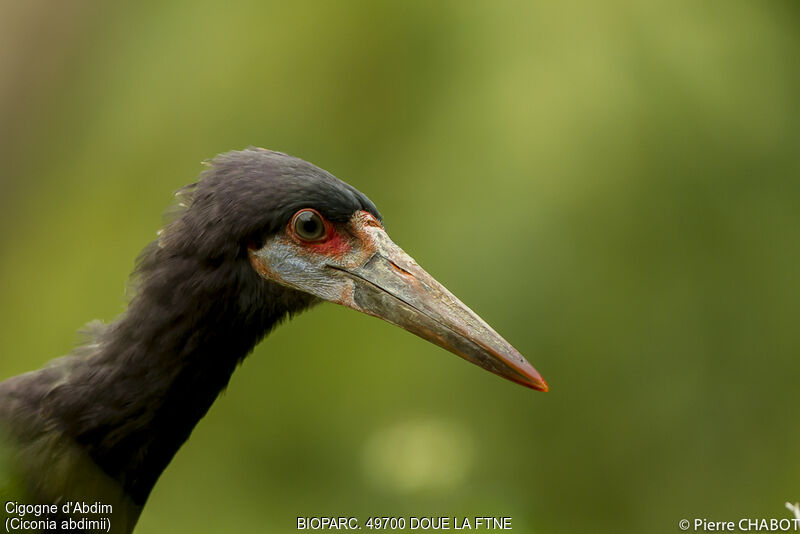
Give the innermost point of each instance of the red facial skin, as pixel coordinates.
(338, 239)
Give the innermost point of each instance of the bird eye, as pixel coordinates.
(308, 225)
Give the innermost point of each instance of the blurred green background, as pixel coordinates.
(614, 186)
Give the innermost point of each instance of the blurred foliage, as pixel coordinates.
(613, 185)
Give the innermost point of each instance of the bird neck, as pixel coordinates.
(156, 371)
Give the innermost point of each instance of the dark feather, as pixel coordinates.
(113, 413)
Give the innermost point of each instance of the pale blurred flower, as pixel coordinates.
(418, 455)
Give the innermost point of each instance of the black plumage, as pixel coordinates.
(105, 421)
(132, 395)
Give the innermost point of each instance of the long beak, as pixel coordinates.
(390, 285)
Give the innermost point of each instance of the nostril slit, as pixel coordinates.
(398, 268)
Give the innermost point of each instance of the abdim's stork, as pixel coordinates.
(261, 236)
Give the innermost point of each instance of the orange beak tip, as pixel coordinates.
(535, 381)
(539, 385)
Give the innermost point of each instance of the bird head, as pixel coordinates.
(302, 228)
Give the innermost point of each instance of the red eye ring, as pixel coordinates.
(309, 226)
